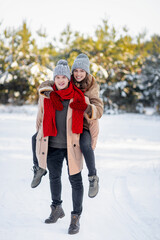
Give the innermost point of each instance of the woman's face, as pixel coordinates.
(79, 74)
(61, 82)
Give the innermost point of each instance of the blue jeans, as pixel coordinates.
(54, 163)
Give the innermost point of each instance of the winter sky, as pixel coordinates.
(82, 15)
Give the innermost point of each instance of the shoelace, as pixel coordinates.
(92, 183)
(74, 221)
(34, 170)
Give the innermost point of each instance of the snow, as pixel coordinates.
(37, 69)
(120, 85)
(14, 64)
(5, 77)
(128, 162)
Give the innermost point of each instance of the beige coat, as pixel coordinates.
(92, 92)
(75, 161)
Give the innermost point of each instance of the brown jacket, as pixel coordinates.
(91, 90)
(75, 161)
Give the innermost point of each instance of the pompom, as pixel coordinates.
(62, 62)
(82, 55)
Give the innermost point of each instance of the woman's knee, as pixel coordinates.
(85, 146)
(85, 140)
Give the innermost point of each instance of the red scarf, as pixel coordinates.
(50, 106)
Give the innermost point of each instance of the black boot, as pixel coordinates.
(38, 174)
(56, 212)
(74, 225)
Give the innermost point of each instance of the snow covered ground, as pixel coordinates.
(128, 162)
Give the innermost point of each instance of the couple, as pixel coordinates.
(67, 127)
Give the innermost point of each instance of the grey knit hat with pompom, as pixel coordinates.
(62, 68)
(82, 62)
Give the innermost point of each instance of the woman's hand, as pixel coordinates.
(47, 93)
(81, 106)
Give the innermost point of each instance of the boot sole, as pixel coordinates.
(56, 219)
(72, 233)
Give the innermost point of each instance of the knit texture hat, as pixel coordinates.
(82, 62)
(62, 68)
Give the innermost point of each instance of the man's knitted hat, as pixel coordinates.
(62, 68)
(82, 62)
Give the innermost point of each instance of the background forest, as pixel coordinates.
(126, 68)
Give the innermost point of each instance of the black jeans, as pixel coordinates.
(88, 153)
(86, 148)
(54, 163)
(35, 160)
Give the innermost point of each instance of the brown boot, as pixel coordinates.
(56, 213)
(74, 225)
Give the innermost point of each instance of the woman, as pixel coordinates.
(59, 128)
(83, 80)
